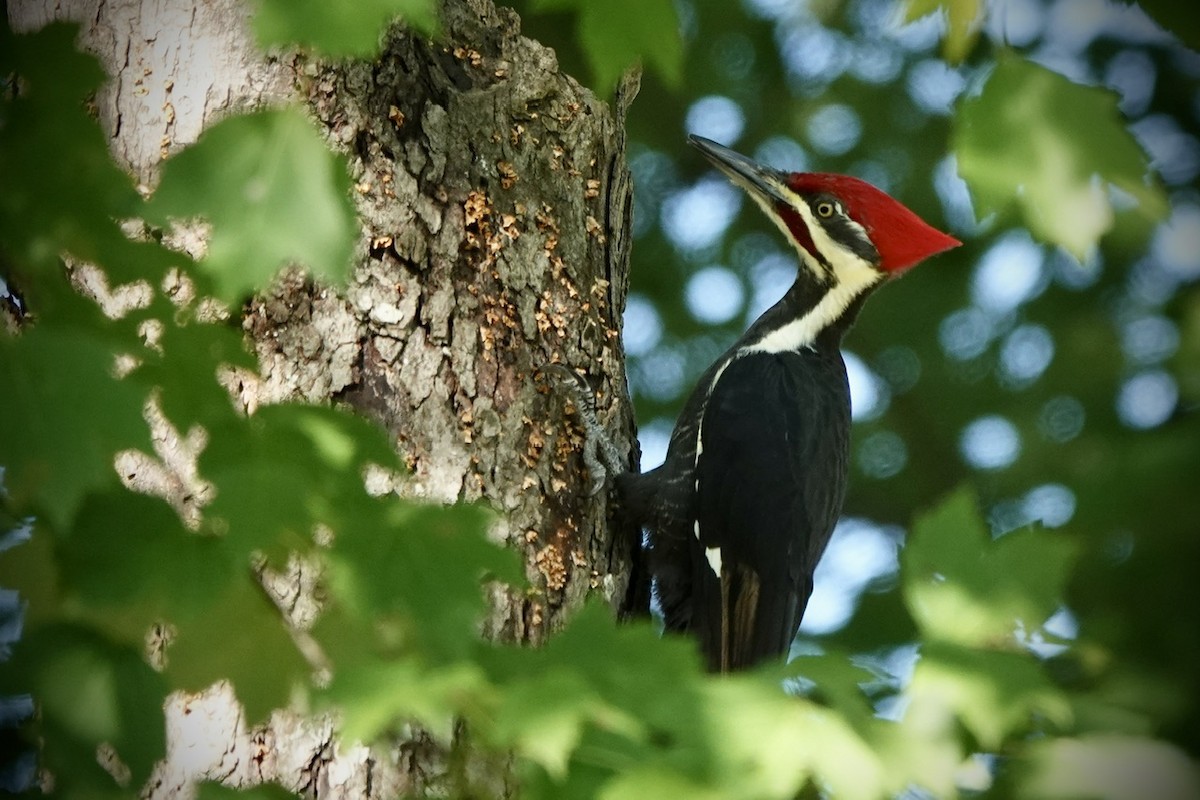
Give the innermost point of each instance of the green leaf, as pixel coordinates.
(655, 781)
(30, 569)
(417, 570)
(636, 662)
(54, 454)
(553, 5)
(545, 719)
(241, 638)
(273, 193)
(587, 775)
(768, 744)
(619, 33)
(994, 694)
(285, 469)
(374, 695)
(1054, 147)
(62, 190)
(341, 28)
(880, 619)
(601, 695)
(1110, 766)
(90, 691)
(130, 555)
(760, 738)
(963, 17)
(185, 371)
(50, 65)
(838, 684)
(963, 587)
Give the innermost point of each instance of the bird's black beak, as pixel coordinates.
(763, 181)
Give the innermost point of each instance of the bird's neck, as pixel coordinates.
(813, 314)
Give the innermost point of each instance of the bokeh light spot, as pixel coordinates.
(751, 248)
(869, 395)
(1061, 419)
(772, 277)
(934, 86)
(876, 62)
(834, 130)
(921, 34)
(900, 366)
(714, 295)
(1132, 74)
(1119, 546)
(734, 55)
(813, 55)
(698, 217)
(654, 176)
(1062, 624)
(1051, 504)
(1149, 339)
(1174, 153)
(874, 172)
(1016, 22)
(1010, 273)
(990, 442)
(1177, 242)
(782, 152)
(1073, 275)
(1026, 354)
(1148, 399)
(956, 198)
(660, 374)
(882, 454)
(653, 439)
(716, 117)
(643, 327)
(859, 552)
(965, 334)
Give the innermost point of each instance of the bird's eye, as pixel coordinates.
(825, 209)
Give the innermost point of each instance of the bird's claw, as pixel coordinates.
(600, 455)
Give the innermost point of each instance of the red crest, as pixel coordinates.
(902, 238)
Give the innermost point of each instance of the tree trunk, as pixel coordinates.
(495, 205)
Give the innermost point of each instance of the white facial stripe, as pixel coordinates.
(768, 207)
(851, 276)
(840, 259)
(858, 228)
(846, 265)
(803, 332)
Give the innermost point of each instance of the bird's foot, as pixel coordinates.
(600, 455)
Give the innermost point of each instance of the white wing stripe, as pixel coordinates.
(713, 554)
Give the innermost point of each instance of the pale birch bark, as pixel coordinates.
(495, 205)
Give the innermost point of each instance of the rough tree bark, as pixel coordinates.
(495, 204)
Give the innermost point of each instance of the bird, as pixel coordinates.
(740, 511)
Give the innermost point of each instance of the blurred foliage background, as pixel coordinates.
(1062, 388)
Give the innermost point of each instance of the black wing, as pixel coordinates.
(771, 475)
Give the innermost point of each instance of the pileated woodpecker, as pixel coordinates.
(740, 511)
